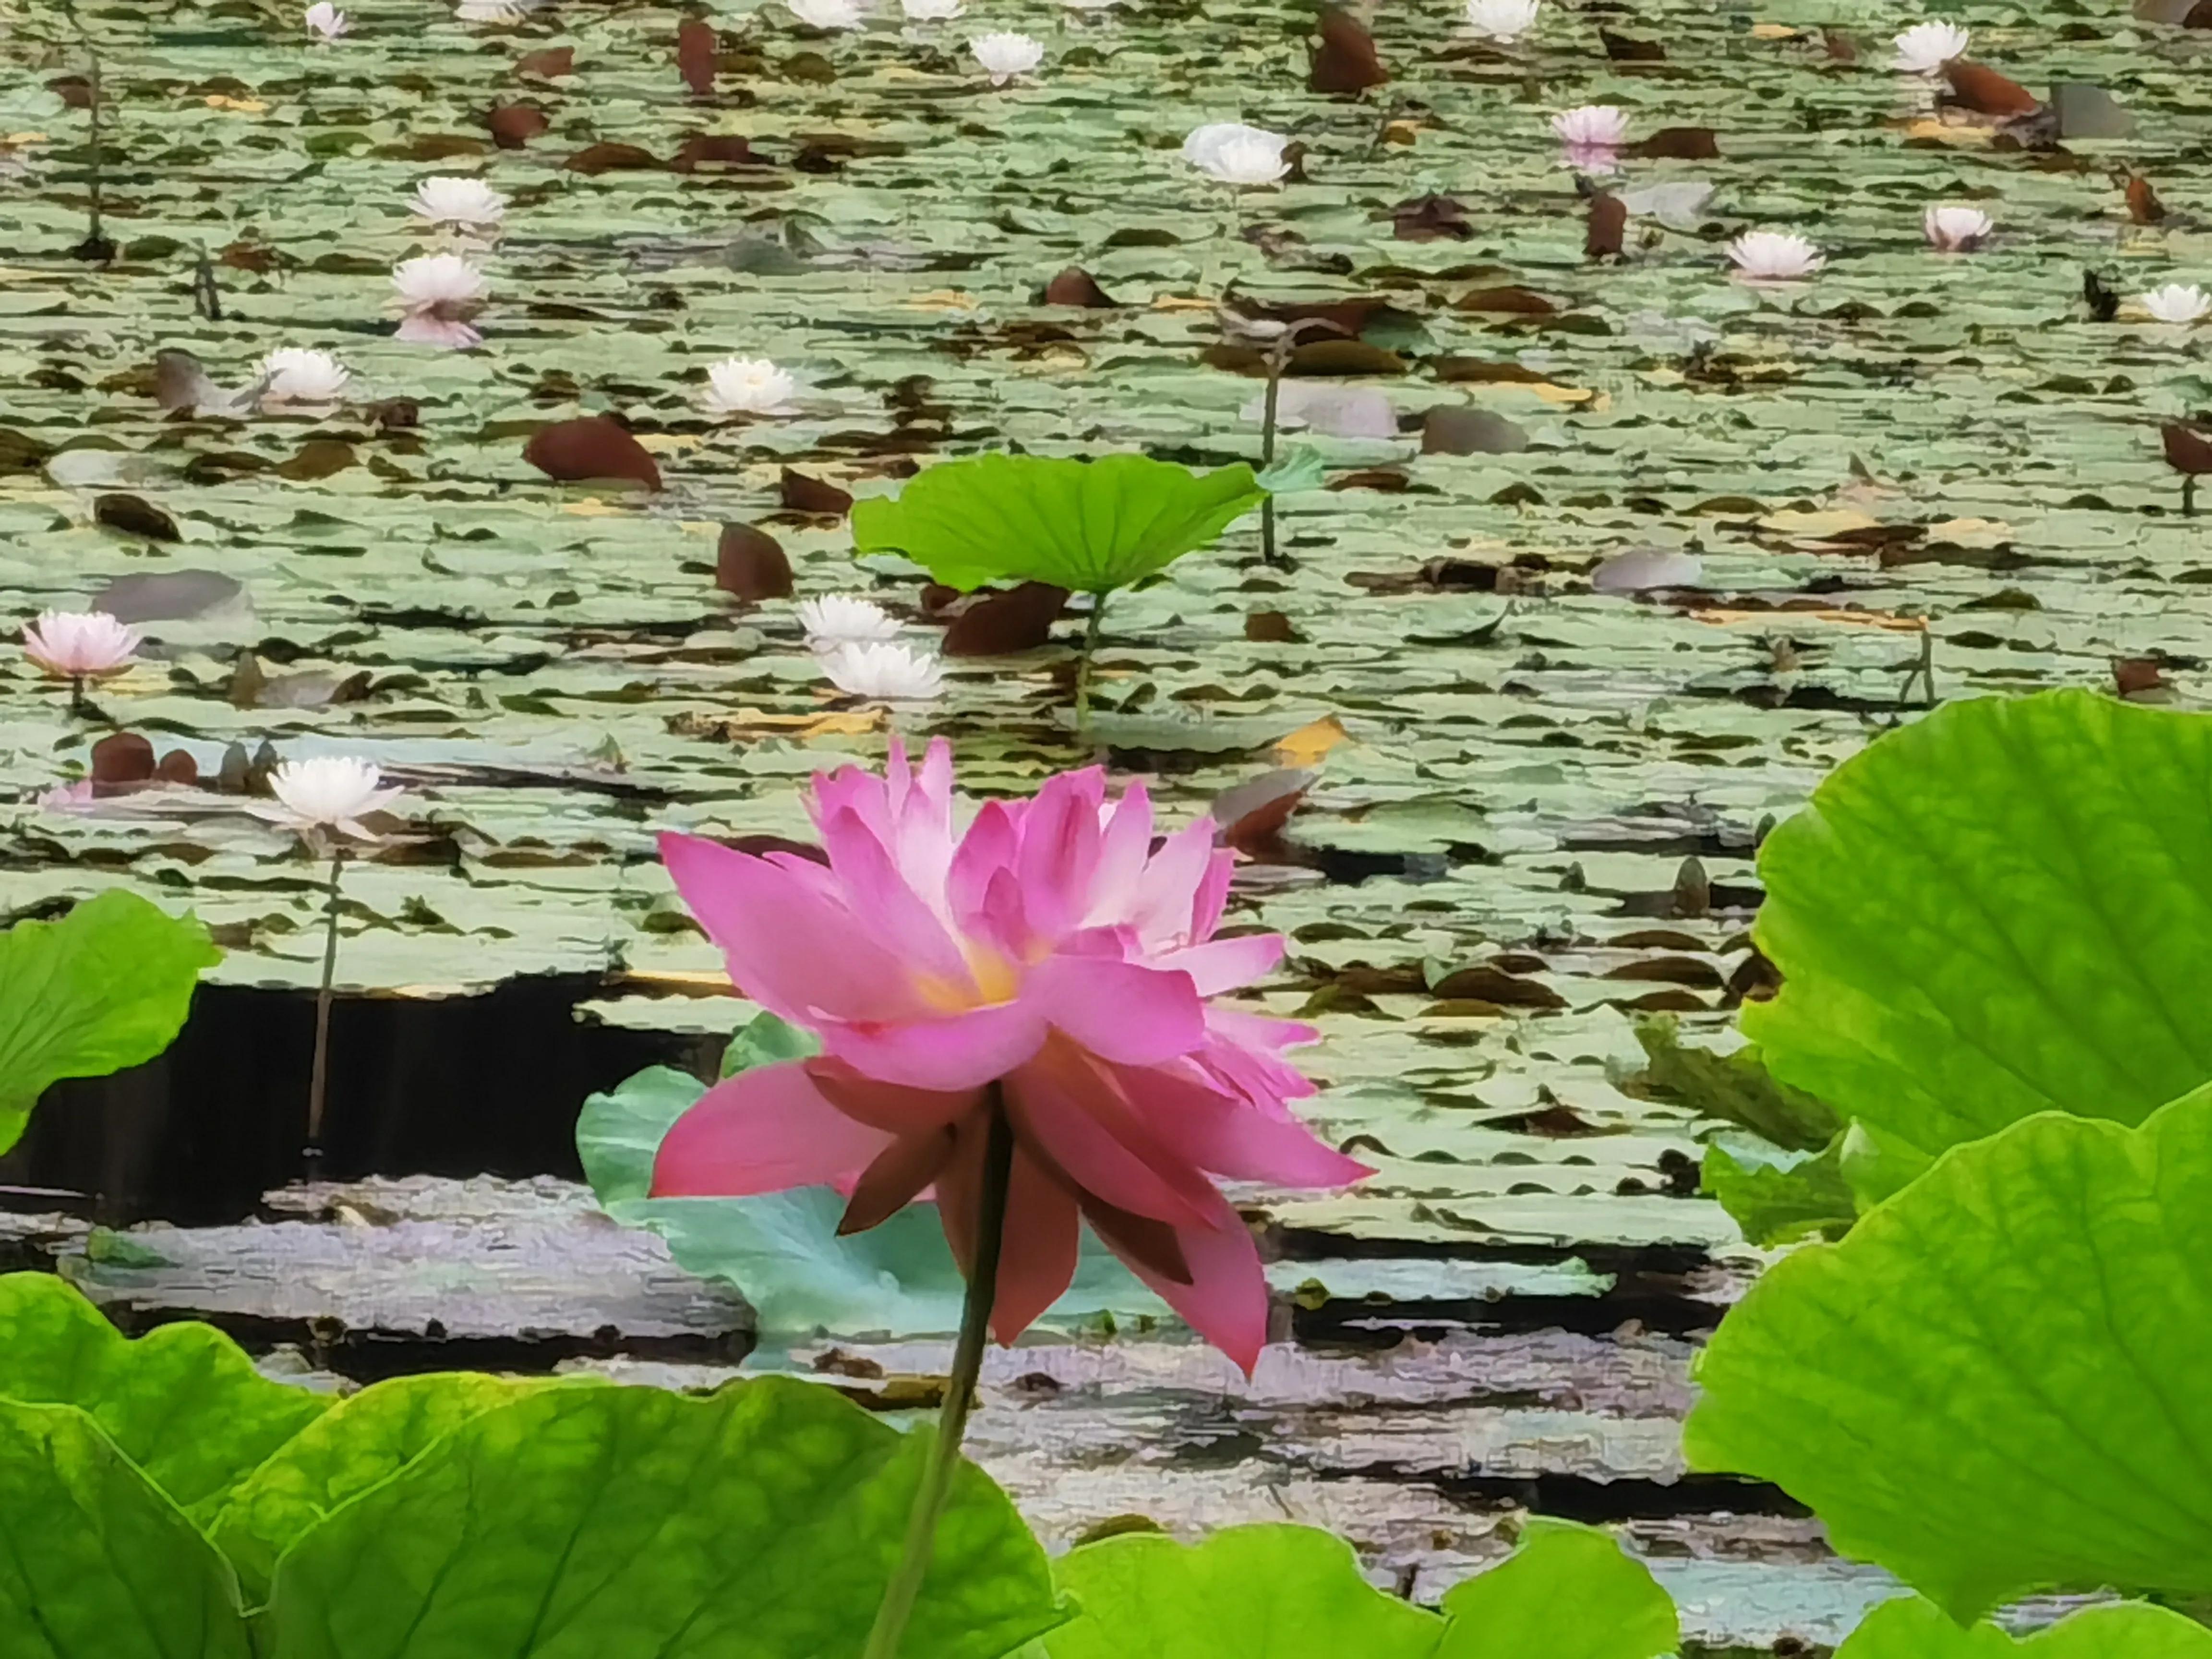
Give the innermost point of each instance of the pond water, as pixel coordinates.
(1534, 802)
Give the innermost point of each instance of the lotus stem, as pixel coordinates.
(318, 1075)
(2188, 495)
(78, 704)
(1083, 663)
(1278, 359)
(929, 1499)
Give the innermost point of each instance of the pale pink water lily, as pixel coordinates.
(2176, 303)
(302, 375)
(1049, 962)
(1004, 54)
(326, 21)
(455, 199)
(880, 670)
(1236, 154)
(1773, 256)
(829, 14)
(1924, 48)
(1590, 137)
(80, 645)
(327, 792)
(1502, 21)
(837, 618)
(438, 294)
(1955, 229)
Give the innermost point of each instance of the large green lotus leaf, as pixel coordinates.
(1995, 1383)
(183, 1402)
(635, 1523)
(360, 1443)
(782, 1252)
(95, 1562)
(1091, 526)
(107, 986)
(1914, 1629)
(2004, 908)
(1568, 1592)
(1256, 1592)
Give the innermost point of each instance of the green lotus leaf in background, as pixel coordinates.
(107, 987)
(2002, 910)
(1255, 1592)
(1778, 1198)
(1566, 1592)
(1914, 1629)
(183, 1402)
(1996, 1385)
(360, 1443)
(612, 1523)
(1089, 527)
(95, 1562)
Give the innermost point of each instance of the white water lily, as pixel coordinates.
(1502, 21)
(1924, 48)
(1953, 229)
(843, 618)
(449, 200)
(438, 293)
(882, 671)
(2176, 303)
(1004, 54)
(930, 11)
(1773, 256)
(80, 645)
(829, 13)
(327, 792)
(326, 21)
(1599, 126)
(302, 375)
(1236, 154)
(750, 386)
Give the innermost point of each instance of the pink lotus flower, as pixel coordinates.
(1050, 958)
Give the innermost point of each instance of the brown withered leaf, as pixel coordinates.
(251, 687)
(803, 494)
(1251, 815)
(999, 624)
(1506, 299)
(514, 125)
(2132, 676)
(1840, 46)
(1983, 91)
(180, 768)
(1623, 50)
(695, 55)
(121, 759)
(1344, 60)
(701, 149)
(1485, 983)
(2143, 205)
(595, 159)
(1269, 628)
(1430, 219)
(1077, 286)
(940, 603)
(596, 447)
(1448, 431)
(1608, 223)
(1319, 358)
(318, 458)
(134, 516)
(548, 64)
(750, 564)
(1678, 144)
(2187, 450)
(256, 257)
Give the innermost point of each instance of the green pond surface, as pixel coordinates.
(1908, 450)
